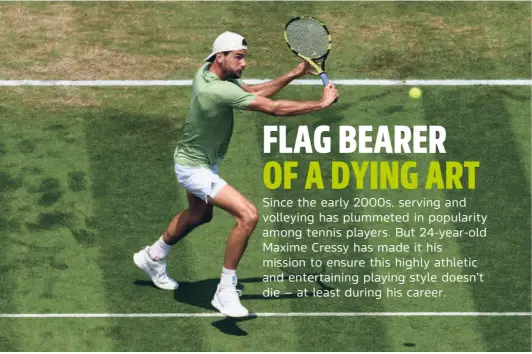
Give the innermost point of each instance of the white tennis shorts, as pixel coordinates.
(203, 182)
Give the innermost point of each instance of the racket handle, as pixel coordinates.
(325, 80)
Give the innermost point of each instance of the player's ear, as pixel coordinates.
(221, 55)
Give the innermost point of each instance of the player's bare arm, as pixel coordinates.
(267, 89)
(292, 108)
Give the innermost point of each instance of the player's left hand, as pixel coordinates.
(304, 68)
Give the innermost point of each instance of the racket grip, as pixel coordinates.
(325, 80)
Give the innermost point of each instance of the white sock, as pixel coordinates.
(159, 250)
(228, 278)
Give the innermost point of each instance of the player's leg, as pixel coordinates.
(246, 217)
(226, 298)
(198, 213)
(198, 183)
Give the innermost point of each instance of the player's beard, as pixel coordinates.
(234, 75)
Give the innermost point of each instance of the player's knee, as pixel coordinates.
(248, 218)
(253, 215)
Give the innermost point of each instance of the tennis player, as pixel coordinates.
(216, 92)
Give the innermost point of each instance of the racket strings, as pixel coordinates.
(308, 38)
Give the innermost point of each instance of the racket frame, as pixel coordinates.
(319, 62)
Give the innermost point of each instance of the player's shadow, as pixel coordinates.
(199, 294)
(229, 325)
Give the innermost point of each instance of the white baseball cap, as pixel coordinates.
(226, 42)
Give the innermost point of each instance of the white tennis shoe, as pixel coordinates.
(226, 300)
(156, 270)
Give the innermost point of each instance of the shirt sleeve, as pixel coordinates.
(234, 96)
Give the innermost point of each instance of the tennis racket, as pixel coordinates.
(310, 40)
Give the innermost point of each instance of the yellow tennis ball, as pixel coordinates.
(414, 92)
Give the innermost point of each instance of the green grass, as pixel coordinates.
(128, 40)
(86, 175)
(122, 149)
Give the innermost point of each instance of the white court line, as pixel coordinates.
(267, 314)
(257, 81)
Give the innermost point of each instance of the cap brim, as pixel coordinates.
(209, 57)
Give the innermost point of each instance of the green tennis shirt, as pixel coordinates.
(209, 123)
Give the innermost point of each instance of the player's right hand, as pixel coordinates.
(329, 95)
